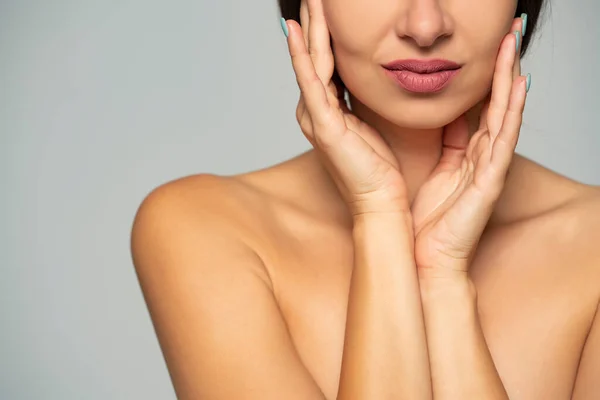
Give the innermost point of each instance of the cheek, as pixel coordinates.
(481, 34)
(480, 26)
(357, 26)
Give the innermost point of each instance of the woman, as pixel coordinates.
(411, 254)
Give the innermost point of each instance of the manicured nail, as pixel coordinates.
(527, 82)
(284, 27)
(524, 18)
(518, 35)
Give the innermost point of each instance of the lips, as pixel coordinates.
(422, 66)
(422, 76)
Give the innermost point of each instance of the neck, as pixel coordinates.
(416, 150)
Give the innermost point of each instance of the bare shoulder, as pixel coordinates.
(580, 218)
(194, 245)
(219, 204)
(202, 224)
(558, 209)
(221, 196)
(260, 210)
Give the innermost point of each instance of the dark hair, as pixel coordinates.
(290, 9)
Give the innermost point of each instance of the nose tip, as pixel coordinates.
(426, 21)
(425, 35)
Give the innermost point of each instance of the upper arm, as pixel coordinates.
(210, 300)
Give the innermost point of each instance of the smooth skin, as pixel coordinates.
(349, 284)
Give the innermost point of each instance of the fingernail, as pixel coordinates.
(524, 18)
(527, 82)
(284, 27)
(518, 35)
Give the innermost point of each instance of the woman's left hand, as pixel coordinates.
(454, 205)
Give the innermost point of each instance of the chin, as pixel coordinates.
(418, 111)
(426, 119)
(424, 113)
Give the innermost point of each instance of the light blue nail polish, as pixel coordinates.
(527, 82)
(524, 18)
(518, 35)
(284, 27)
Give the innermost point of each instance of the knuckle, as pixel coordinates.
(308, 82)
(326, 122)
(300, 111)
(299, 118)
(313, 79)
(303, 119)
(306, 128)
(327, 134)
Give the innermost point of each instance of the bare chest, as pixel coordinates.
(532, 311)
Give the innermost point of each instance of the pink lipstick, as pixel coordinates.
(422, 76)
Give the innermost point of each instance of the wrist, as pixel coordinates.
(385, 237)
(383, 213)
(399, 222)
(444, 284)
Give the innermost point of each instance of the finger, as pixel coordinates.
(502, 83)
(467, 217)
(323, 63)
(311, 87)
(335, 96)
(305, 22)
(301, 115)
(454, 144)
(319, 41)
(341, 97)
(304, 120)
(517, 26)
(506, 142)
(484, 111)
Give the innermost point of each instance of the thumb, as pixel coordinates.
(455, 140)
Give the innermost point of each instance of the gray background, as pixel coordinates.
(101, 101)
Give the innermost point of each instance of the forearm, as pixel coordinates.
(460, 361)
(385, 349)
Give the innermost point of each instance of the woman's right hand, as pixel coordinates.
(360, 162)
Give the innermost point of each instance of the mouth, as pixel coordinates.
(422, 66)
(422, 76)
